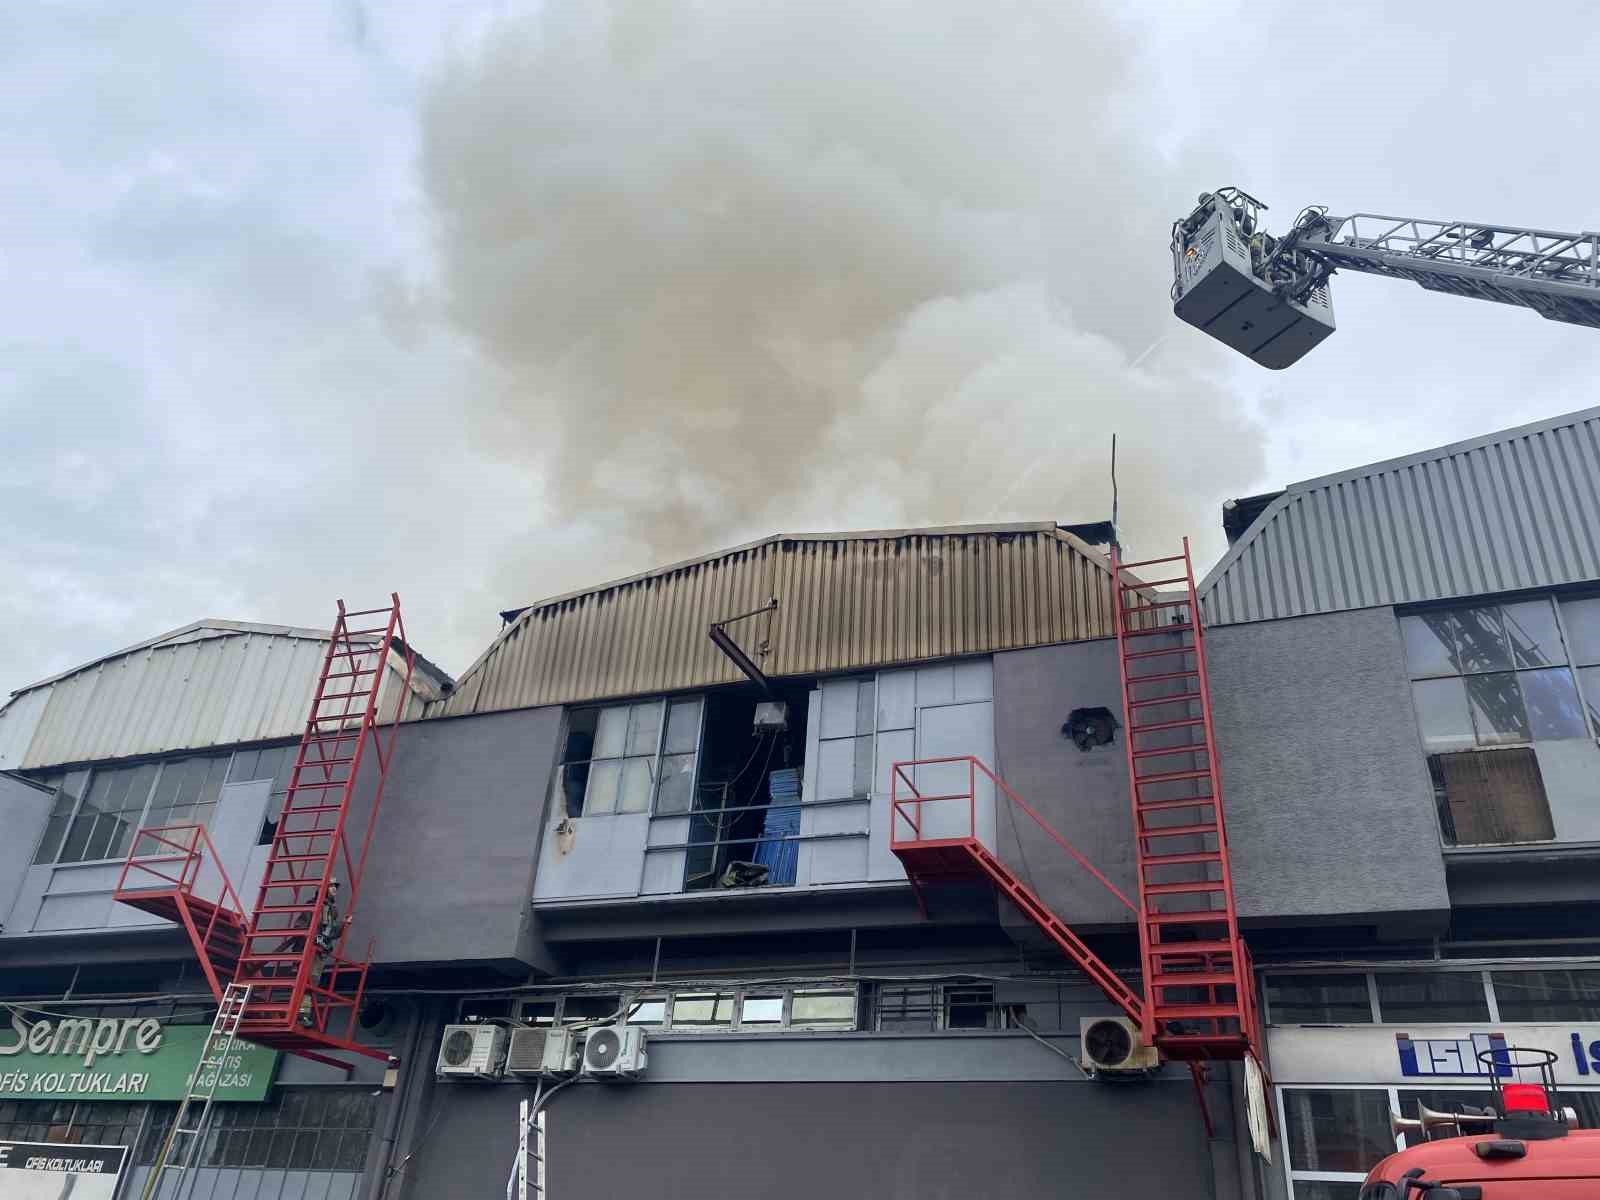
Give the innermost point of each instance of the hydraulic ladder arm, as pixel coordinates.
(1268, 297)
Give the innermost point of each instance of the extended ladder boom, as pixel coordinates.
(1555, 274)
(1267, 297)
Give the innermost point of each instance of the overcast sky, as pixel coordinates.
(483, 302)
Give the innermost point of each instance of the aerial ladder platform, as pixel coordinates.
(1195, 1002)
(1268, 297)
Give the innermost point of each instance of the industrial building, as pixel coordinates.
(668, 804)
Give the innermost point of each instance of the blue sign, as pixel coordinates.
(1469, 1057)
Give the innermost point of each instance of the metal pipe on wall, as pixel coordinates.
(379, 1172)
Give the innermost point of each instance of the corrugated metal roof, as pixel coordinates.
(212, 683)
(1515, 509)
(846, 601)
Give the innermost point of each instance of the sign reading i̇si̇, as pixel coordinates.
(120, 1058)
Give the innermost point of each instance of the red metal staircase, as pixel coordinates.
(1197, 974)
(305, 991)
(1198, 1003)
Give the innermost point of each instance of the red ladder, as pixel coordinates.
(1197, 972)
(305, 991)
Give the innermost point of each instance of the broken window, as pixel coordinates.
(614, 757)
(1488, 797)
(1488, 682)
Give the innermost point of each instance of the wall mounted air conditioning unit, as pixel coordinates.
(471, 1052)
(614, 1052)
(1112, 1046)
(543, 1052)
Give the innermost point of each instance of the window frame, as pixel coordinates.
(669, 994)
(654, 759)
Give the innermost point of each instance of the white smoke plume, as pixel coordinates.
(744, 268)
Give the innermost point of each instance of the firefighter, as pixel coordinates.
(324, 941)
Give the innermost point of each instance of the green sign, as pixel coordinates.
(120, 1058)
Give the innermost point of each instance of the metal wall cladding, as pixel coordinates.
(1518, 509)
(213, 688)
(846, 602)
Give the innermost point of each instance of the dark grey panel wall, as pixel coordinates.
(1084, 795)
(450, 872)
(916, 1141)
(1329, 807)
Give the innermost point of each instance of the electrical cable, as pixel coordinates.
(1052, 1047)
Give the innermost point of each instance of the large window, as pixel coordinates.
(90, 1123)
(1318, 1000)
(303, 1129)
(619, 759)
(1489, 681)
(95, 813)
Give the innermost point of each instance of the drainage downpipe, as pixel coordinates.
(397, 1107)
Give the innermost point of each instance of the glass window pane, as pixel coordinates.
(861, 777)
(78, 835)
(702, 1010)
(602, 794)
(683, 727)
(1325, 1189)
(677, 783)
(1551, 698)
(761, 1010)
(635, 794)
(866, 705)
(648, 1010)
(1337, 1130)
(1549, 995)
(1498, 715)
(612, 734)
(1582, 619)
(823, 1009)
(1481, 640)
(905, 1008)
(644, 728)
(968, 1007)
(1318, 1000)
(1442, 715)
(1430, 640)
(1589, 681)
(353, 1151)
(1431, 996)
(1533, 634)
(243, 766)
(590, 1008)
(50, 843)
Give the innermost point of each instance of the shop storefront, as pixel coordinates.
(1348, 1047)
(112, 1075)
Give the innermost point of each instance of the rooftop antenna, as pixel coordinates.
(1115, 539)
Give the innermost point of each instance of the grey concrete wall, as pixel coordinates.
(1329, 806)
(1083, 794)
(894, 1141)
(450, 874)
(23, 811)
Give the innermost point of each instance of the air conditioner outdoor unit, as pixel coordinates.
(614, 1052)
(1112, 1046)
(544, 1052)
(471, 1052)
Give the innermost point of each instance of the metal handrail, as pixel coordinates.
(899, 806)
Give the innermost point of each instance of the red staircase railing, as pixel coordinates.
(1197, 975)
(954, 851)
(160, 876)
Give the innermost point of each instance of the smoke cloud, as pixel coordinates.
(749, 268)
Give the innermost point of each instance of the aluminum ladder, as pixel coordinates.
(522, 1185)
(177, 1163)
